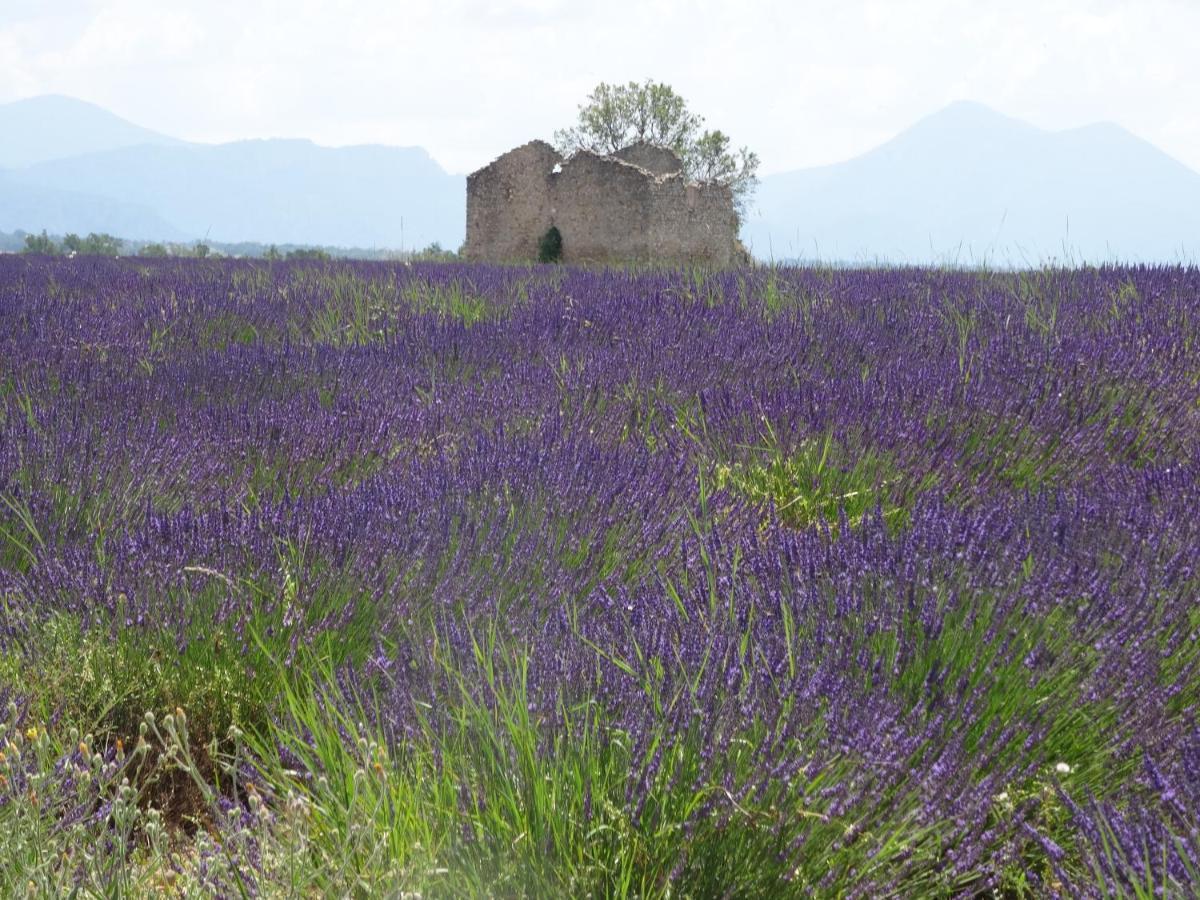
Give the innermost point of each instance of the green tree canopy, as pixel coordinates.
(617, 115)
(41, 243)
(92, 245)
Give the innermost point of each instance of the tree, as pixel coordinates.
(617, 115)
(41, 243)
(550, 246)
(434, 252)
(100, 245)
(308, 253)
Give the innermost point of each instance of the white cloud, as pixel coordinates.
(802, 83)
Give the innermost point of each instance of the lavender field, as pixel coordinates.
(442, 581)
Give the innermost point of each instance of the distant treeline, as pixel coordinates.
(109, 245)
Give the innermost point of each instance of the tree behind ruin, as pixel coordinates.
(617, 115)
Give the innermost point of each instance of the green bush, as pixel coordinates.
(550, 246)
(41, 244)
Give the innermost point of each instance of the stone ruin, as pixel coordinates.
(631, 206)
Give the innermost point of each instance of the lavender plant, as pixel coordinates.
(547, 581)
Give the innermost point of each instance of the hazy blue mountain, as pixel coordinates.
(52, 127)
(967, 184)
(72, 166)
(285, 191)
(25, 207)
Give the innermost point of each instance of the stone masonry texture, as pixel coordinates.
(633, 206)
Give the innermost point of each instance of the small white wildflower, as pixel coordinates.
(1002, 797)
(1062, 768)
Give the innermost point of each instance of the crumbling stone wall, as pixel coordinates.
(629, 207)
(654, 159)
(509, 205)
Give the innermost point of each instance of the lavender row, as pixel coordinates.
(602, 471)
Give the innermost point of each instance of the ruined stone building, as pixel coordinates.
(632, 206)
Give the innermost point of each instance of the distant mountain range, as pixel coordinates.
(53, 127)
(72, 166)
(969, 185)
(965, 185)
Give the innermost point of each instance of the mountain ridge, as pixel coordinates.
(969, 184)
(282, 190)
(54, 126)
(964, 184)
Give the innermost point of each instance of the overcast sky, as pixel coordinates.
(803, 82)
